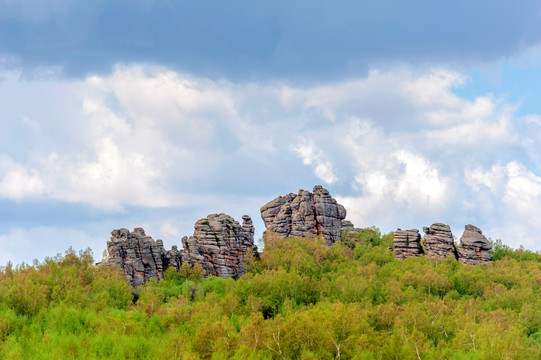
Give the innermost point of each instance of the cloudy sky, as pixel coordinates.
(156, 113)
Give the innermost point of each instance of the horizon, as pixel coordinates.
(155, 114)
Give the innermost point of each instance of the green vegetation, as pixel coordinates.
(300, 300)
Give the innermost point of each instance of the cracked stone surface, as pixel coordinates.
(407, 243)
(474, 246)
(439, 241)
(219, 244)
(139, 255)
(305, 213)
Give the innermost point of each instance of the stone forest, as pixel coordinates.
(317, 288)
(220, 243)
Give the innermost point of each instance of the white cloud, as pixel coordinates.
(394, 144)
(169, 230)
(19, 182)
(312, 156)
(406, 188)
(517, 192)
(420, 183)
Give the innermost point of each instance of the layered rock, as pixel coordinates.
(305, 213)
(139, 255)
(407, 243)
(439, 242)
(474, 246)
(219, 244)
(347, 225)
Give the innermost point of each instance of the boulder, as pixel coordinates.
(305, 213)
(474, 246)
(219, 244)
(139, 255)
(439, 241)
(407, 243)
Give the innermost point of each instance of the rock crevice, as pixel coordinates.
(219, 244)
(139, 255)
(439, 241)
(305, 213)
(474, 246)
(407, 243)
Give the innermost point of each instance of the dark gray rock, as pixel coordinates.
(248, 227)
(305, 213)
(439, 242)
(219, 244)
(139, 255)
(407, 243)
(347, 225)
(474, 246)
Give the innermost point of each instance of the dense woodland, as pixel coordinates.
(299, 300)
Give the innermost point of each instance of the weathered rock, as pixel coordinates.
(347, 225)
(474, 246)
(219, 244)
(304, 214)
(248, 227)
(172, 258)
(439, 241)
(407, 243)
(139, 255)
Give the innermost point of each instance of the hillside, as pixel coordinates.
(300, 300)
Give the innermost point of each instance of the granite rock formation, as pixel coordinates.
(305, 213)
(219, 244)
(407, 243)
(139, 255)
(474, 246)
(439, 242)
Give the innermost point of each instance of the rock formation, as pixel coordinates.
(474, 246)
(219, 244)
(348, 227)
(439, 242)
(304, 214)
(139, 255)
(407, 243)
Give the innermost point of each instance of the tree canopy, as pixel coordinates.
(299, 300)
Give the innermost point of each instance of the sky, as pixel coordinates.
(156, 113)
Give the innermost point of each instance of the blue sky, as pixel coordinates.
(156, 113)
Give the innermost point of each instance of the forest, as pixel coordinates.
(298, 300)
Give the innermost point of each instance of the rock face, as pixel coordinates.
(305, 213)
(140, 256)
(407, 243)
(474, 246)
(347, 225)
(439, 241)
(219, 244)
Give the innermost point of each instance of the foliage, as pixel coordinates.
(299, 300)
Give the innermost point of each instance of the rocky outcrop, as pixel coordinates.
(474, 246)
(407, 243)
(305, 213)
(439, 242)
(348, 227)
(139, 255)
(219, 244)
(248, 227)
